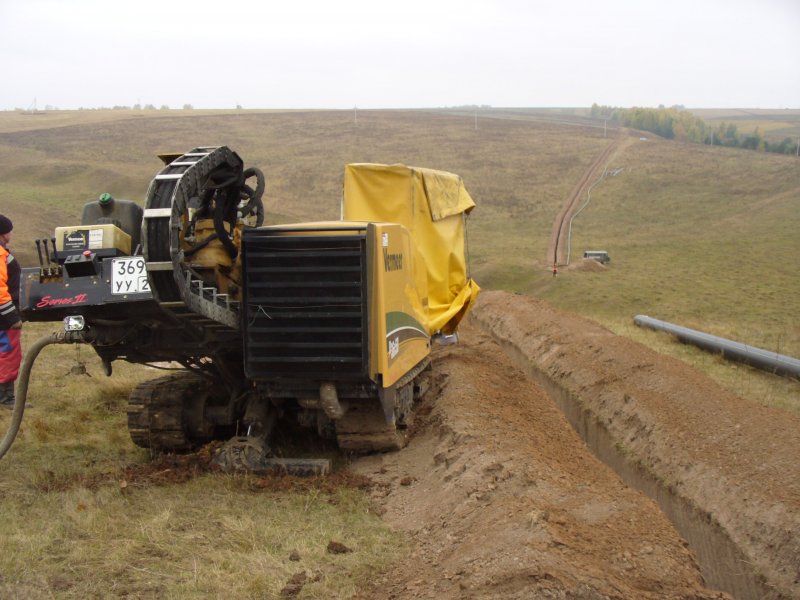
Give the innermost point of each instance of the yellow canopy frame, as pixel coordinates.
(432, 206)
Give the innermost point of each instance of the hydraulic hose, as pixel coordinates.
(23, 379)
(225, 188)
(255, 203)
(224, 208)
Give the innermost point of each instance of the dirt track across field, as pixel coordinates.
(503, 498)
(557, 246)
(559, 235)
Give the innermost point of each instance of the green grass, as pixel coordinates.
(213, 536)
(83, 515)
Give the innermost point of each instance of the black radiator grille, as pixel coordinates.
(306, 301)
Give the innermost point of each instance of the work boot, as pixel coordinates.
(7, 398)
(7, 395)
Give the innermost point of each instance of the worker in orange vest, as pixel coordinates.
(10, 321)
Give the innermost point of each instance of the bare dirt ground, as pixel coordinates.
(503, 498)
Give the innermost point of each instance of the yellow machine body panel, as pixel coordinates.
(399, 303)
(432, 205)
(395, 289)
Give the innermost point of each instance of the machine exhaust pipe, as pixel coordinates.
(765, 360)
(329, 401)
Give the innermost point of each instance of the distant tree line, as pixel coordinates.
(676, 123)
(137, 107)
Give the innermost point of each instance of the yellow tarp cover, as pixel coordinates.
(431, 205)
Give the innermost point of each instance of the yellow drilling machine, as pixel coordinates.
(326, 324)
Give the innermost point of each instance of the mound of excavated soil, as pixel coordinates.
(503, 499)
(585, 265)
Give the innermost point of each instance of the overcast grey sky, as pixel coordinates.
(411, 53)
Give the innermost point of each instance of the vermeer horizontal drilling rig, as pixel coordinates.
(327, 323)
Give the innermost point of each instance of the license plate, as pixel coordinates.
(129, 275)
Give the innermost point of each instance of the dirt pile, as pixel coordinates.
(585, 265)
(504, 500)
(721, 466)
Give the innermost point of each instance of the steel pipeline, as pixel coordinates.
(766, 360)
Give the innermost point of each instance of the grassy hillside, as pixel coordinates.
(706, 237)
(518, 170)
(703, 237)
(774, 124)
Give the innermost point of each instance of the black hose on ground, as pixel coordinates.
(61, 337)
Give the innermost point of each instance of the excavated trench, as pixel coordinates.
(722, 564)
(549, 352)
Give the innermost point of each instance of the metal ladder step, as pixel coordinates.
(208, 308)
(209, 293)
(179, 304)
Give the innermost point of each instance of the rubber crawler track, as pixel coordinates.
(156, 411)
(363, 428)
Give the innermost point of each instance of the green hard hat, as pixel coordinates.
(105, 198)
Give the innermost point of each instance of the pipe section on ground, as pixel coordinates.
(773, 362)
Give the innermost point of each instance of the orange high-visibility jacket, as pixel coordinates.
(9, 289)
